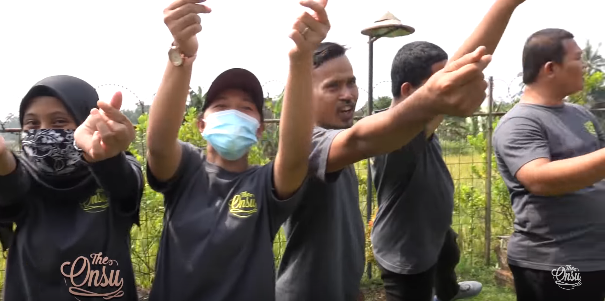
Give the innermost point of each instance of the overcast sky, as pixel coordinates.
(123, 44)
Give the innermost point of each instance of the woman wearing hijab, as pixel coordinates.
(74, 194)
(222, 214)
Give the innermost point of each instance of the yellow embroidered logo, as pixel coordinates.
(243, 204)
(96, 203)
(94, 277)
(589, 126)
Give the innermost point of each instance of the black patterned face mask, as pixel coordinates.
(52, 151)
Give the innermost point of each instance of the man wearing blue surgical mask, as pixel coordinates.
(222, 214)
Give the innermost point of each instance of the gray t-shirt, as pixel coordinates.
(552, 231)
(219, 227)
(324, 257)
(416, 200)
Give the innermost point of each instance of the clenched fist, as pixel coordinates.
(459, 88)
(183, 21)
(310, 30)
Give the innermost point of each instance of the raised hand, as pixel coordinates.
(106, 132)
(310, 30)
(459, 88)
(183, 21)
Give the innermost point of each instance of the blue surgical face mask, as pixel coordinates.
(231, 133)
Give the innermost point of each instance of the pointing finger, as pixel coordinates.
(310, 22)
(319, 10)
(179, 3)
(112, 113)
(116, 100)
(470, 72)
(469, 58)
(181, 12)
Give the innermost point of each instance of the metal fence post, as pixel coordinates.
(369, 183)
(488, 173)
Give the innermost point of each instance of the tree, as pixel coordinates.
(594, 61)
(196, 99)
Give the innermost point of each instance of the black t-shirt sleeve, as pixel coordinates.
(121, 178)
(13, 191)
(518, 141)
(318, 160)
(279, 210)
(190, 162)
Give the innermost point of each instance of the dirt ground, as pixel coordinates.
(369, 294)
(375, 293)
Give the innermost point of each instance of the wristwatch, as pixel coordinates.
(175, 55)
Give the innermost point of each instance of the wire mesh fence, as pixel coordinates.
(482, 203)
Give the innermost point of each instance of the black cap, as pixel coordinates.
(240, 79)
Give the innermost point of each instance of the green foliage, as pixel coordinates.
(196, 99)
(593, 82)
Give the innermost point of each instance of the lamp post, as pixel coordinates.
(390, 27)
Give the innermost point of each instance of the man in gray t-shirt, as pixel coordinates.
(324, 255)
(550, 155)
(414, 246)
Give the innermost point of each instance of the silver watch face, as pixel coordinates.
(175, 57)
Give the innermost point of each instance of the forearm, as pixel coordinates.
(167, 110)
(392, 129)
(488, 34)
(14, 180)
(118, 178)
(489, 31)
(569, 175)
(296, 128)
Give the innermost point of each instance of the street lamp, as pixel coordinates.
(390, 27)
(387, 26)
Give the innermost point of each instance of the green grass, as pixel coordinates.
(372, 288)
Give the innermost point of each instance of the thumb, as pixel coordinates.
(116, 100)
(469, 58)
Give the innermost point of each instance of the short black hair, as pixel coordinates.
(542, 47)
(327, 51)
(413, 64)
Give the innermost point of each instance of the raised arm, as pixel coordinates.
(104, 137)
(296, 127)
(456, 90)
(488, 34)
(166, 112)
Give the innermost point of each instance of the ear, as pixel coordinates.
(406, 90)
(259, 132)
(549, 69)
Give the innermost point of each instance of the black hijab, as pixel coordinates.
(79, 98)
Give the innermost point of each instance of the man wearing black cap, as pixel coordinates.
(222, 214)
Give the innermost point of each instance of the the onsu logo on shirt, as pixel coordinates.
(96, 203)
(243, 204)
